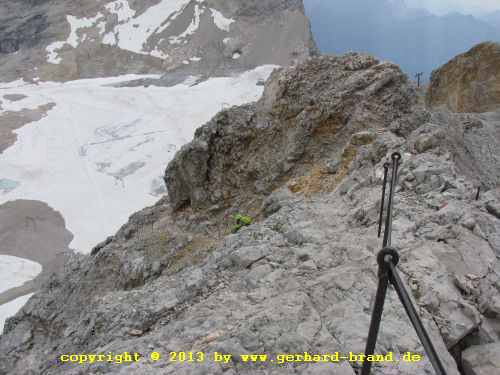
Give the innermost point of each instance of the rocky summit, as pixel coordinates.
(65, 40)
(470, 82)
(306, 163)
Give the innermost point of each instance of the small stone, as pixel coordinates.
(135, 332)
(362, 138)
(332, 166)
(303, 255)
(308, 266)
(493, 208)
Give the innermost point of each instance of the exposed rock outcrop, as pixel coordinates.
(304, 120)
(470, 82)
(63, 40)
(306, 161)
(482, 360)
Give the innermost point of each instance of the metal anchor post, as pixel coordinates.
(387, 260)
(386, 171)
(396, 157)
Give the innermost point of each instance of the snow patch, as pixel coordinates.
(110, 39)
(16, 271)
(52, 55)
(133, 33)
(77, 24)
(191, 29)
(74, 39)
(102, 27)
(160, 54)
(220, 21)
(11, 308)
(122, 9)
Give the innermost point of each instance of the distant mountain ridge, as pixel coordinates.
(63, 40)
(416, 39)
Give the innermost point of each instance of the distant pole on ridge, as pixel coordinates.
(418, 76)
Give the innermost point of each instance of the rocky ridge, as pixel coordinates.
(306, 161)
(64, 40)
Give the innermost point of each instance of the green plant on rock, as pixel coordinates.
(240, 221)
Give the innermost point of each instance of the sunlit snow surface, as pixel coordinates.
(16, 271)
(100, 153)
(11, 308)
(221, 22)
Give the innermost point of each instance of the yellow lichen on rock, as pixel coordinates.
(320, 180)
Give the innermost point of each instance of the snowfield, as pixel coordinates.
(100, 152)
(16, 271)
(11, 308)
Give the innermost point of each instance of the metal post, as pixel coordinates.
(378, 309)
(418, 75)
(387, 260)
(415, 320)
(396, 157)
(386, 171)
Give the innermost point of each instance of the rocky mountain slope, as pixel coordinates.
(79, 156)
(306, 162)
(64, 40)
(470, 82)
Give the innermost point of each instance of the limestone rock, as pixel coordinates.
(482, 360)
(303, 276)
(470, 82)
(311, 109)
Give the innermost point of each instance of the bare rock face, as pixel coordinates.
(307, 114)
(482, 360)
(470, 82)
(63, 40)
